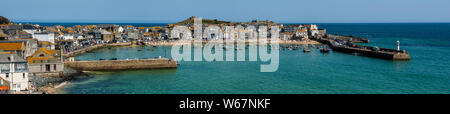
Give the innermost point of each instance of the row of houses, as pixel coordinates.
(21, 58)
(289, 32)
(301, 32)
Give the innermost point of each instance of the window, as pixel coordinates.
(20, 67)
(41, 55)
(7, 75)
(23, 75)
(34, 61)
(4, 67)
(54, 67)
(42, 61)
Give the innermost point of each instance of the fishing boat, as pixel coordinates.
(325, 50)
(306, 50)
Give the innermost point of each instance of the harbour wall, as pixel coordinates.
(95, 47)
(382, 53)
(349, 38)
(110, 65)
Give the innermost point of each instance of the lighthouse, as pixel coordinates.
(398, 45)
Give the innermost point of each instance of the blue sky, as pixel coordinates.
(285, 11)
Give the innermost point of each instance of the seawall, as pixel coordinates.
(349, 38)
(110, 65)
(382, 53)
(92, 48)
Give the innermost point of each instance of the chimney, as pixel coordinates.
(11, 58)
(61, 54)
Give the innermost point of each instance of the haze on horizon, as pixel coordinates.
(284, 11)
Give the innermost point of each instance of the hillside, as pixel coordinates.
(4, 20)
(190, 20)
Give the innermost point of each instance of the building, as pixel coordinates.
(107, 36)
(45, 62)
(17, 47)
(322, 32)
(132, 35)
(14, 70)
(31, 45)
(4, 86)
(117, 37)
(94, 36)
(286, 35)
(3, 36)
(46, 44)
(301, 34)
(312, 29)
(44, 36)
(31, 29)
(290, 28)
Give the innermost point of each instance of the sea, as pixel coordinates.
(298, 73)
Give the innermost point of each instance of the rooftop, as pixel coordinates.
(6, 58)
(11, 46)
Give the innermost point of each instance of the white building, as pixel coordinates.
(45, 36)
(68, 37)
(314, 29)
(14, 69)
(314, 32)
(301, 33)
(120, 29)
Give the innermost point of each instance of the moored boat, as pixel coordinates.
(325, 50)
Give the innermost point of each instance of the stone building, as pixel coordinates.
(46, 62)
(107, 36)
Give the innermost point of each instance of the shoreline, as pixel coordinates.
(54, 89)
(56, 85)
(171, 43)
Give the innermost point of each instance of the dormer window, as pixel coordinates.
(41, 55)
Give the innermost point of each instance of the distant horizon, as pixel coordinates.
(124, 22)
(281, 11)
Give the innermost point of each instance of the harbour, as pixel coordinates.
(350, 47)
(311, 73)
(145, 65)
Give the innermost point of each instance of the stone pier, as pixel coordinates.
(110, 65)
(92, 48)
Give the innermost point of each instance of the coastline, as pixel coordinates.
(54, 89)
(171, 43)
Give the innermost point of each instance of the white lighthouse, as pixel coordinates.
(398, 45)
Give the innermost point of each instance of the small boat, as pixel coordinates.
(325, 50)
(306, 50)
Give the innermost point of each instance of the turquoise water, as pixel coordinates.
(298, 73)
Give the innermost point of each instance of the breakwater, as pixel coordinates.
(95, 47)
(353, 39)
(376, 52)
(110, 65)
